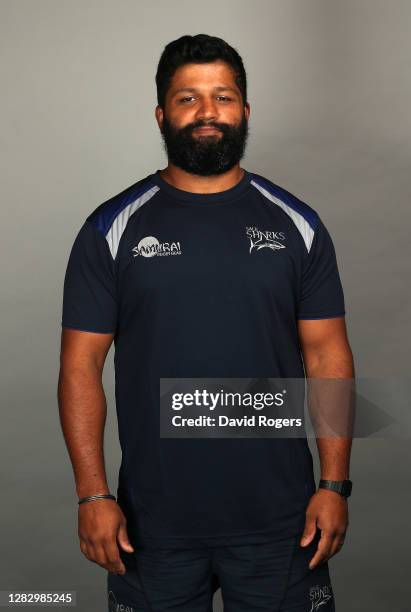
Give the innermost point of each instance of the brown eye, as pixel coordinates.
(186, 98)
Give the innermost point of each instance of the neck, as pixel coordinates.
(201, 184)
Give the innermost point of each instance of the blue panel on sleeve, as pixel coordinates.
(103, 217)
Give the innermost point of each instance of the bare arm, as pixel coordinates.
(82, 406)
(83, 410)
(327, 354)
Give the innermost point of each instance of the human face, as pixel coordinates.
(204, 125)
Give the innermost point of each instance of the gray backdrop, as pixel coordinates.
(329, 87)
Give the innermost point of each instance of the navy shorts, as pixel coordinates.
(269, 577)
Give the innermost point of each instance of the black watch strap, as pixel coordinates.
(343, 487)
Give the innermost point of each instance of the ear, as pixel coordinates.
(159, 114)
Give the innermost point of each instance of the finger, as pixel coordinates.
(87, 550)
(337, 544)
(123, 539)
(99, 554)
(309, 532)
(115, 563)
(84, 549)
(323, 549)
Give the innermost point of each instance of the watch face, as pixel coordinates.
(346, 488)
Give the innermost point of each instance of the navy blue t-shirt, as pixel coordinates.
(203, 286)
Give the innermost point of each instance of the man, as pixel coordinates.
(203, 270)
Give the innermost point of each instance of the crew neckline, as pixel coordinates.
(211, 199)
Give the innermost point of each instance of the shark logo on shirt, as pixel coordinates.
(264, 239)
(319, 596)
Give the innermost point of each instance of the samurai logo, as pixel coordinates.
(264, 239)
(113, 606)
(320, 596)
(150, 246)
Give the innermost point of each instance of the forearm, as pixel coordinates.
(334, 454)
(83, 410)
(331, 396)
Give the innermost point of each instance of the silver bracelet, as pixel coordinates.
(91, 497)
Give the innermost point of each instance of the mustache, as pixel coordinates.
(223, 127)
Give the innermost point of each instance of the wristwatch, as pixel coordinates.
(343, 487)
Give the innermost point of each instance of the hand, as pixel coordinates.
(328, 511)
(101, 524)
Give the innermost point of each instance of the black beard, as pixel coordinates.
(205, 155)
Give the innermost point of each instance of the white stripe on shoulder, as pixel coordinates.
(301, 223)
(119, 224)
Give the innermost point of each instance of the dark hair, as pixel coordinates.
(201, 49)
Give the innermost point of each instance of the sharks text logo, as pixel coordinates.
(150, 246)
(320, 596)
(264, 239)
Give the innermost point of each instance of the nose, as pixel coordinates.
(207, 111)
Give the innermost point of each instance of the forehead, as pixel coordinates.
(203, 76)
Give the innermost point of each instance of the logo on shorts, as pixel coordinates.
(265, 239)
(320, 596)
(150, 246)
(113, 606)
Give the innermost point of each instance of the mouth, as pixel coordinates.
(206, 130)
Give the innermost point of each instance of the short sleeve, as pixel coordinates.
(89, 294)
(321, 295)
